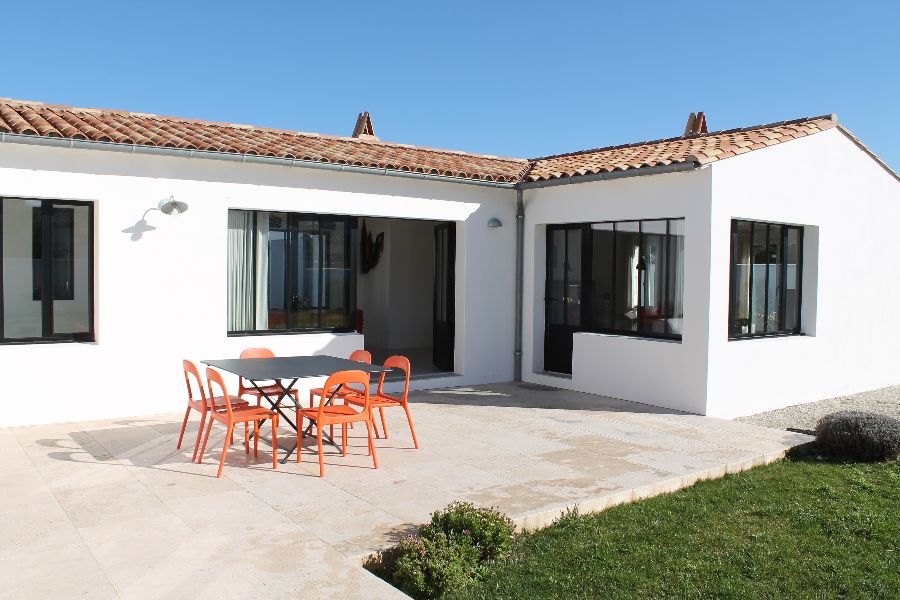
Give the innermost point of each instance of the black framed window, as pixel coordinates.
(624, 277)
(290, 272)
(47, 245)
(766, 276)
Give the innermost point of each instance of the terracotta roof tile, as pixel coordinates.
(704, 149)
(101, 125)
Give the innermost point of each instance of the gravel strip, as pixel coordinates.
(804, 416)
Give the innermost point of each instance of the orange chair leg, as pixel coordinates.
(229, 435)
(275, 442)
(344, 439)
(372, 444)
(187, 413)
(412, 429)
(255, 439)
(321, 456)
(205, 439)
(374, 423)
(383, 424)
(299, 438)
(247, 438)
(199, 435)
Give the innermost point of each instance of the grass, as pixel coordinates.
(793, 529)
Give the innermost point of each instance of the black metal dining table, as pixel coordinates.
(260, 371)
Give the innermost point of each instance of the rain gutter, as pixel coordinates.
(235, 157)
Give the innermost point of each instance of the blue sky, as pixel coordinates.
(518, 79)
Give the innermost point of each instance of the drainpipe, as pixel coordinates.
(520, 256)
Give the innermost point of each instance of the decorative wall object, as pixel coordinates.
(370, 251)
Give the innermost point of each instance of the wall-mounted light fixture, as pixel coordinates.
(495, 222)
(172, 206)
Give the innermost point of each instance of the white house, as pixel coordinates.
(719, 273)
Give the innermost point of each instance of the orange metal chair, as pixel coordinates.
(272, 389)
(338, 414)
(201, 404)
(363, 356)
(382, 399)
(233, 416)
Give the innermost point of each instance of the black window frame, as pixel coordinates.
(48, 335)
(782, 296)
(587, 323)
(351, 252)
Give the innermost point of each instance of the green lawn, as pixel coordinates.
(794, 529)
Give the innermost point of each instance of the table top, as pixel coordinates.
(291, 367)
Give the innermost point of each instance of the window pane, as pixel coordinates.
(675, 276)
(760, 266)
(573, 277)
(740, 279)
(22, 271)
(306, 248)
(556, 275)
(652, 277)
(70, 249)
(628, 251)
(277, 272)
(337, 275)
(792, 280)
(603, 235)
(773, 318)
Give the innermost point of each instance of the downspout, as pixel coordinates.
(520, 270)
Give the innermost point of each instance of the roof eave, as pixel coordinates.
(675, 167)
(37, 140)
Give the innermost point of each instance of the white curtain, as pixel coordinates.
(240, 270)
(262, 271)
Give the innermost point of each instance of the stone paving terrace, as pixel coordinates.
(111, 509)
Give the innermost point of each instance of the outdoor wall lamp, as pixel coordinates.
(172, 206)
(495, 222)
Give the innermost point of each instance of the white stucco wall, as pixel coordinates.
(163, 297)
(851, 274)
(658, 372)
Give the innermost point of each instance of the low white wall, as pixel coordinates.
(851, 207)
(162, 297)
(659, 372)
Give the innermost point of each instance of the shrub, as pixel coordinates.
(429, 567)
(859, 435)
(489, 530)
(448, 553)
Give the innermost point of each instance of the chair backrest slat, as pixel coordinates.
(191, 372)
(214, 377)
(253, 353)
(361, 356)
(396, 362)
(342, 378)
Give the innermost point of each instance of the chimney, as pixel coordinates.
(364, 129)
(696, 125)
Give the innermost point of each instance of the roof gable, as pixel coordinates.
(701, 149)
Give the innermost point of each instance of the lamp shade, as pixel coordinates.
(172, 206)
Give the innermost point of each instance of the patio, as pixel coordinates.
(112, 509)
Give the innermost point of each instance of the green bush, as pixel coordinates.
(858, 435)
(490, 531)
(451, 551)
(429, 567)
